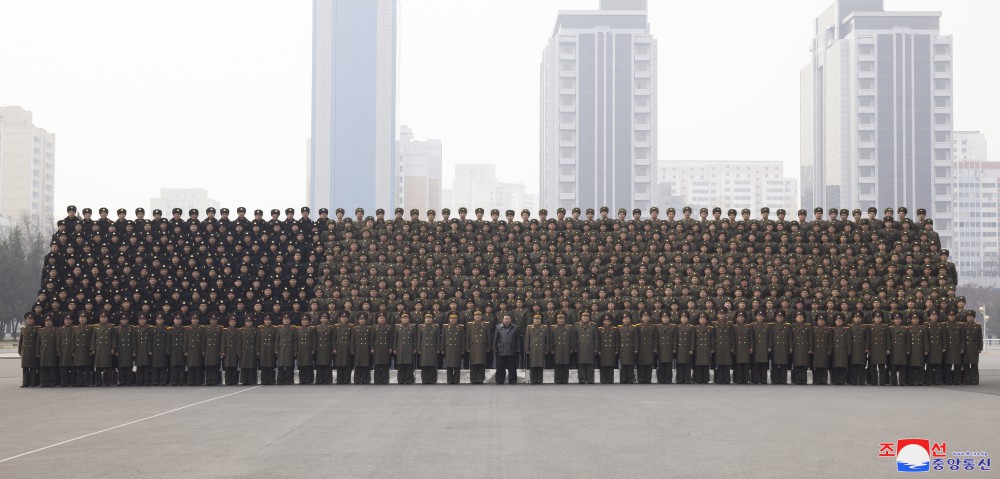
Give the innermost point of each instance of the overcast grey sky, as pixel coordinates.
(216, 94)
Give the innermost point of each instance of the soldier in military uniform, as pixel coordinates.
(102, 347)
(305, 350)
(761, 349)
(859, 350)
(935, 349)
(724, 347)
(342, 348)
(161, 344)
(230, 352)
(801, 349)
(973, 347)
(194, 350)
(781, 339)
(67, 375)
(954, 340)
(27, 347)
(685, 349)
(325, 343)
(646, 343)
(561, 348)
(143, 351)
(83, 359)
(584, 340)
(743, 349)
(478, 345)
(361, 350)
(125, 351)
(899, 349)
(919, 348)
(607, 350)
(381, 348)
(840, 350)
(536, 345)
(248, 352)
(628, 350)
(453, 343)
(666, 349)
(285, 345)
(213, 350)
(428, 348)
(47, 348)
(878, 351)
(267, 338)
(704, 347)
(404, 342)
(822, 350)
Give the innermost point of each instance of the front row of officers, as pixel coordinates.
(941, 351)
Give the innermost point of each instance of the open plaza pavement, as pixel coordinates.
(489, 431)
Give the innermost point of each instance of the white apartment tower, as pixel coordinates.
(27, 168)
(876, 112)
(598, 109)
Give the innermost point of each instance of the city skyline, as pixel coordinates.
(195, 120)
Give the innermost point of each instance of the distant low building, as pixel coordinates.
(730, 184)
(419, 166)
(183, 198)
(476, 186)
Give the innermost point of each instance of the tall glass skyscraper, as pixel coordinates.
(352, 149)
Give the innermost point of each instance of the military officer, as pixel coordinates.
(453, 343)
(361, 350)
(724, 347)
(935, 348)
(585, 344)
(972, 348)
(267, 338)
(213, 350)
(305, 350)
(780, 343)
(743, 349)
(161, 341)
(404, 342)
(762, 341)
(859, 350)
(285, 345)
(878, 350)
(325, 343)
(381, 348)
(125, 351)
(685, 349)
(194, 351)
(607, 351)
(67, 375)
(230, 352)
(143, 351)
(102, 347)
(27, 347)
(704, 347)
(478, 346)
(919, 348)
(628, 349)
(248, 352)
(343, 332)
(666, 349)
(561, 348)
(899, 344)
(646, 343)
(428, 347)
(801, 349)
(840, 350)
(536, 345)
(47, 346)
(954, 342)
(822, 348)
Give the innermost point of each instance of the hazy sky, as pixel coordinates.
(216, 94)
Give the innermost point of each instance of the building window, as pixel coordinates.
(642, 67)
(866, 118)
(567, 135)
(566, 171)
(567, 65)
(865, 50)
(866, 83)
(566, 188)
(942, 137)
(942, 67)
(642, 84)
(942, 49)
(866, 67)
(866, 136)
(942, 84)
(642, 171)
(567, 48)
(566, 100)
(942, 119)
(942, 102)
(567, 83)
(566, 118)
(941, 154)
(566, 153)
(642, 153)
(642, 101)
(642, 119)
(866, 101)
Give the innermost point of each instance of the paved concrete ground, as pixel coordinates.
(484, 431)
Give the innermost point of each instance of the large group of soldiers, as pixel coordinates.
(236, 300)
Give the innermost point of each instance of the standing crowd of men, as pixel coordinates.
(237, 300)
